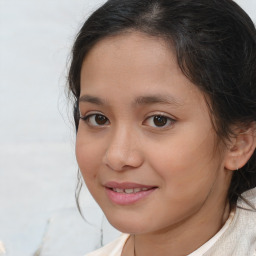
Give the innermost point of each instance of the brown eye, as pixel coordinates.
(160, 121)
(96, 120)
(100, 119)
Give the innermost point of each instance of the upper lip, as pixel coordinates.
(126, 185)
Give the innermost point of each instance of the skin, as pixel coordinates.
(182, 159)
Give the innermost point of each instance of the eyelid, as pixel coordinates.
(90, 114)
(170, 122)
(171, 119)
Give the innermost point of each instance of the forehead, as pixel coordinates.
(132, 50)
(133, 64)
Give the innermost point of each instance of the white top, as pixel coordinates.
(236, 238)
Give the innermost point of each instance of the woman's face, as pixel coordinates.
(145, 143)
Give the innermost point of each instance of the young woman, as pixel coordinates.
(165, 111)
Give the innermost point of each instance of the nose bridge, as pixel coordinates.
(123, 149)
(121, 139)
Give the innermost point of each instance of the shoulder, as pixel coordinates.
(246, 213)
(240, 236)
(250, 197)
(112, 249)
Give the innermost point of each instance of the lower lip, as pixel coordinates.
(126, 199)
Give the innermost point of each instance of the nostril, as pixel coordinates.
(115, 157)
(120, 160)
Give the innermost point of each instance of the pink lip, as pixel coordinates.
(124, 198)
(125, 185)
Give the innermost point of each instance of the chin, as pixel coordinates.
(128, 225)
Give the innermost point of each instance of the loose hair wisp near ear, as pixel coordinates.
(215, 45)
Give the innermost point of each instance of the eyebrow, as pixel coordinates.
(157, 99)
(92, 99)
(141, 100)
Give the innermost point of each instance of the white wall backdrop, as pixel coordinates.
(37, 163)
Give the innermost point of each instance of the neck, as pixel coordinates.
(182, 238)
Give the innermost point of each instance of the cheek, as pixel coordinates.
(87, 155)
(186, 165)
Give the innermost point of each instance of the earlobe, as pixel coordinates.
(241, 148)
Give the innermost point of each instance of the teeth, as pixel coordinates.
(129, 190)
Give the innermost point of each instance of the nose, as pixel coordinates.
(123, 151)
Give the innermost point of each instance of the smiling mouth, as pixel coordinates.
(127, 187)
(127, 193)
(130, 190)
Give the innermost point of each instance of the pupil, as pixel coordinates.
(160, 120)
(100, 119)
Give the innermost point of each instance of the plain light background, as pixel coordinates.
(37, 161)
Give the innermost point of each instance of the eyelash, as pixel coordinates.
(168, 121)
(86, 118)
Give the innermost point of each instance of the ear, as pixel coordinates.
(241, 148)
